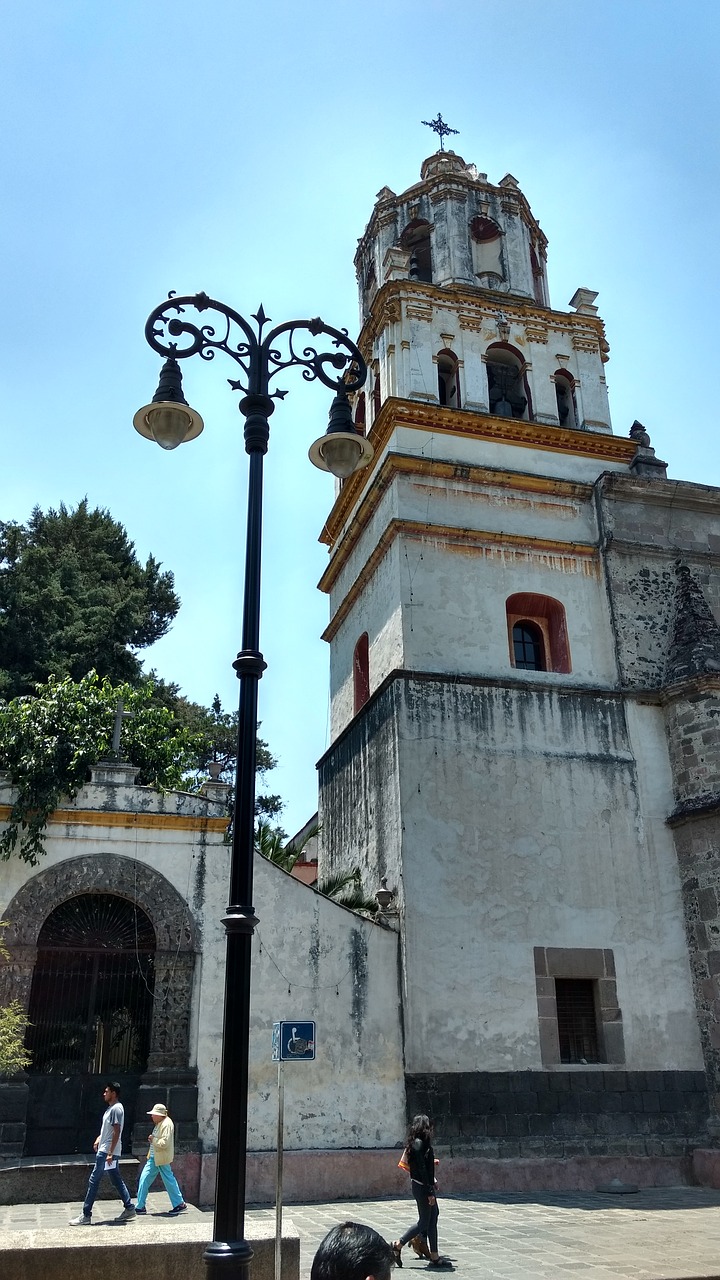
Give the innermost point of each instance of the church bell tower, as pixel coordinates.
(498, 635)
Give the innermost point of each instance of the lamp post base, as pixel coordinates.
(228, 1261)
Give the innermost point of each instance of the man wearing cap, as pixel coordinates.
(160, 1157)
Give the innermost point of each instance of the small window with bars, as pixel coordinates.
(577, 1020)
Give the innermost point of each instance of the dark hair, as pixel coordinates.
(113, 1084)
(420, 1127)
(352, 1251)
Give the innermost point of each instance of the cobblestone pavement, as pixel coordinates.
(659, 1234)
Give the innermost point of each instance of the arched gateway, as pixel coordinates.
(102, 955)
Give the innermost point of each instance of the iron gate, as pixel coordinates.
(90, 1016)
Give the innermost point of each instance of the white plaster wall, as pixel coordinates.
(506, 457)
(379, 612)
(458, 621)
(522, 828)
(313, 959)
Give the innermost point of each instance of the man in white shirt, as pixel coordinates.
(108, 1147)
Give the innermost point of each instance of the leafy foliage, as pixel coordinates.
(269, 842)
(14, 1056)
(74, 598)
(216, 731)
(48, 743)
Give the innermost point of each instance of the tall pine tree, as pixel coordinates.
(74, 598)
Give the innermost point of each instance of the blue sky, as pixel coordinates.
(237, 149)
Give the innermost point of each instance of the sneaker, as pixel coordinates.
(82, 1220)
(140, 1211)
(127, 1214)
(179, 1208)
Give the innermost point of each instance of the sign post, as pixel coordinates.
(292, 1041)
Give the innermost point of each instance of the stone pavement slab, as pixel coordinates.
(658, 1234)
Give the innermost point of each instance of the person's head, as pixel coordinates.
(352, 1251)
(111, 1092)
(420, 1127)
(158, 1113)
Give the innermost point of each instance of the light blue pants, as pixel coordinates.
(148, 1176)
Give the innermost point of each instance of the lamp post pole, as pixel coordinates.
(170, 421)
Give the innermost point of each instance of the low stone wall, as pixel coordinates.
(510, 1114)
(145, 1253)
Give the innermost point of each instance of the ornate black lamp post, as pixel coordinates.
(170, 421)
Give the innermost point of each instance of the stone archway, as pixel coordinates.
(168, 1061)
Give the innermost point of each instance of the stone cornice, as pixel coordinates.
(449, 535)
(116, 818)
(473, 305)
(684, 494)
(479, 426)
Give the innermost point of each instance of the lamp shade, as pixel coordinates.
(168, 419)
(342, 450)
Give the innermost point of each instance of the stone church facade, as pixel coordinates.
(525, 692)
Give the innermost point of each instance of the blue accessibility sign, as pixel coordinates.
(293, 1041)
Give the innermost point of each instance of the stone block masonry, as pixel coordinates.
(510, 1114)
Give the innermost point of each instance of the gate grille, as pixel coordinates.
(577, 1020)
(92, 992)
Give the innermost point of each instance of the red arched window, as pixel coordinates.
(361, 673)
(537, 633)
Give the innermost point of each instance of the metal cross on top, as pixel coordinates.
(440, 128)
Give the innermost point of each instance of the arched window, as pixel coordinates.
(361, 673)
(538, 278)
(537, 633)
(92, 991)
(416, 238)
(528, 647)
(486, 247)
(566, 402)
(448, 380)
(508, 391)
(377, 400)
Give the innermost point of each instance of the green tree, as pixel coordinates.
(74, 598)
(14, 1056)
(49, 742)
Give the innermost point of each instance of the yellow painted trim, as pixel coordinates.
(476, 539)
(114, 818)
(404, 464)
(479, 426)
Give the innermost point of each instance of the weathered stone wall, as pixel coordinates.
(697, 840)
(564, 1113)
(645, 526)
(508, 818)
(693, 735)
